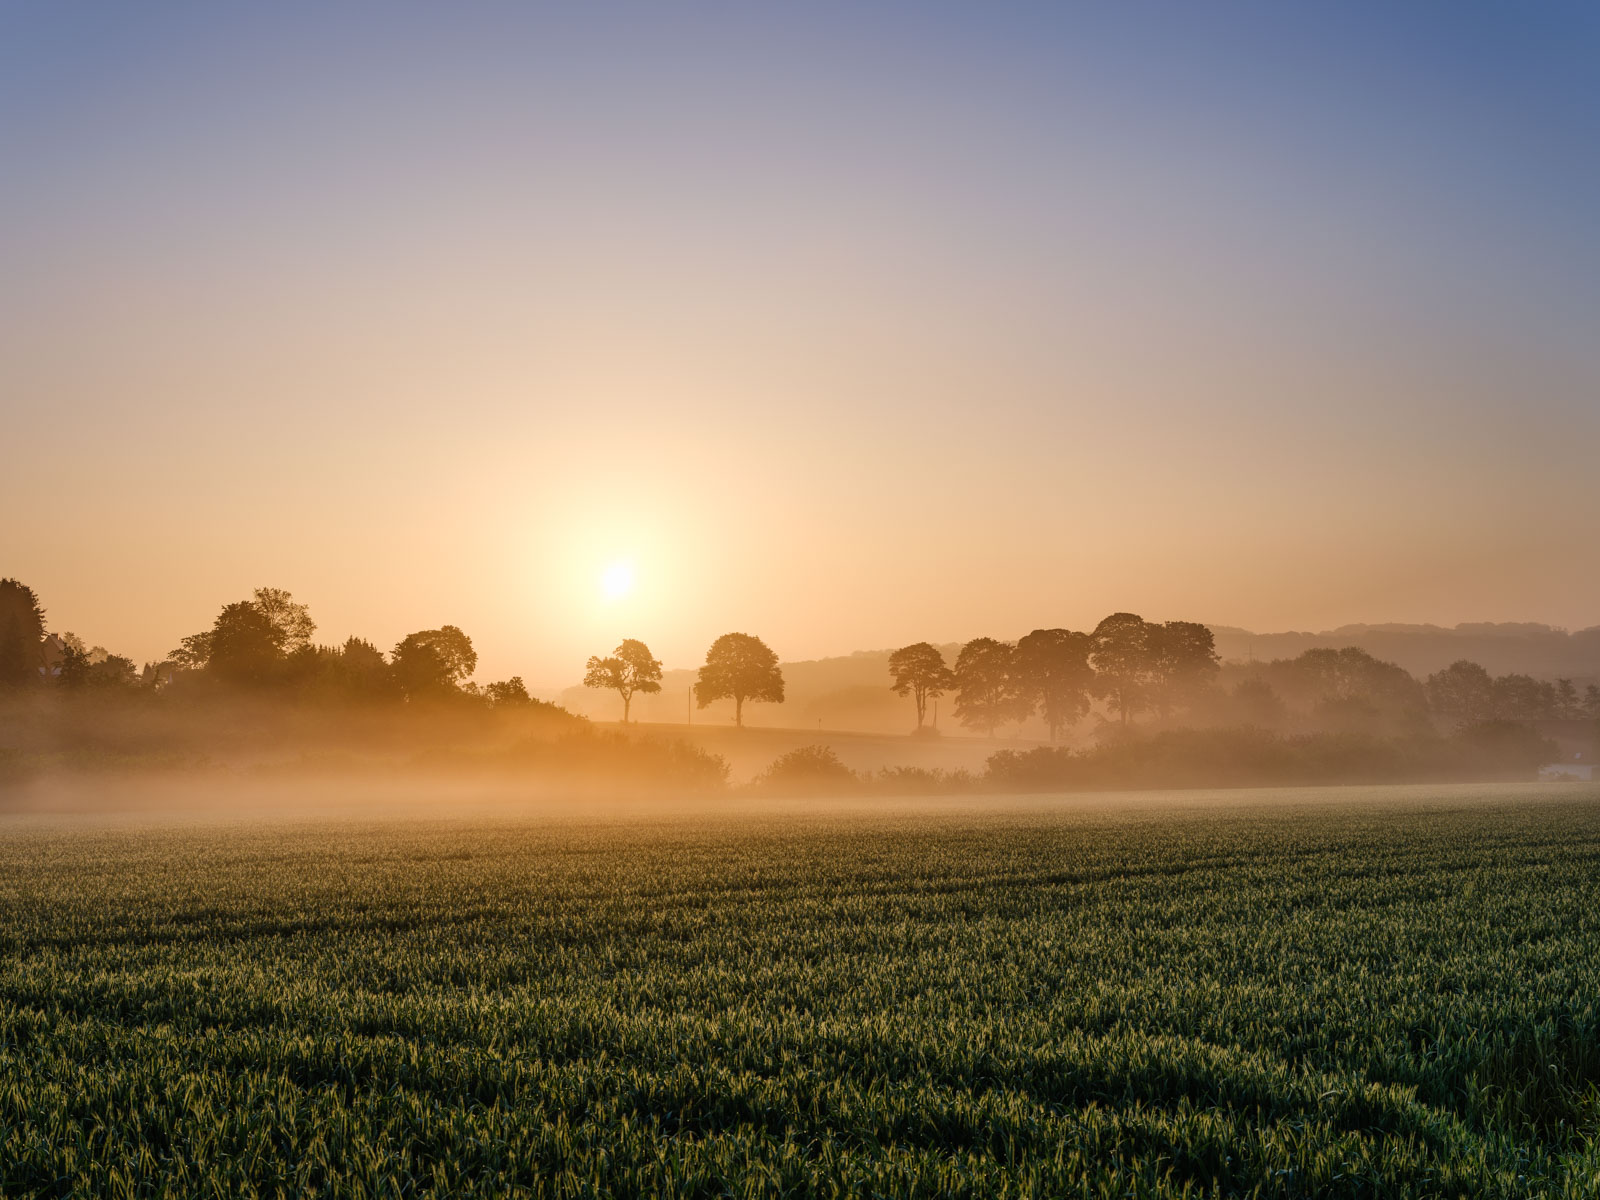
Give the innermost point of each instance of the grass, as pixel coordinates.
(1394, 996)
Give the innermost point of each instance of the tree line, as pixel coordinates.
(261, 644)
(264, 644)
(1466, 690)
(1132, 664)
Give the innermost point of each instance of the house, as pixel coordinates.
(52, 653)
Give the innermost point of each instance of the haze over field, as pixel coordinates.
(846, 326)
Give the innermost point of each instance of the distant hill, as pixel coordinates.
(851, 692)
(1523, 648)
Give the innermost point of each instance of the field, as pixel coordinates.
(1380, 992)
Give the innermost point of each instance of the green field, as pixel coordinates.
(1391, 993)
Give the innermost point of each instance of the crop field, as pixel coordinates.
(1395, 993)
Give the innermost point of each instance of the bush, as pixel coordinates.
(808, 769)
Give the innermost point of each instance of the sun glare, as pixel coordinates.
(617, 581)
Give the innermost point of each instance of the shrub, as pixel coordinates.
(807, 769)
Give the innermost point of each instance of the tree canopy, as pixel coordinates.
(1054, 676)
(1183, 662)
(988, 692)
(1122, 662)
(292, 621)
(919, 671)
(245, 646)
(740, 667)
(433, 662)
(21, 633)
(631, 668)
(1463, 689)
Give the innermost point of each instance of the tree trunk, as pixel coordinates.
(627, 703)
(738, 712)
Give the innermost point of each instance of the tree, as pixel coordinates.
(1463, 690)
(510, 693)
(1349, 689)
(739, 667)
(74, 672)
(987, 691)
(1123, 663)
(1255, 705)
(1183, 662)
(113, 671)
(292, 621)
(919, 671)
(360, 670)
(21, 633)
(245, 647)
(193, 652)
(1523, 698)
(1566, 699)
(1591, 701)
(630, 669)
(83, 668)
(433, 661)
(1054, 676)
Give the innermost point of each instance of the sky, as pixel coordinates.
(845, 325)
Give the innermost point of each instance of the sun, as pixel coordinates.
(617, 580)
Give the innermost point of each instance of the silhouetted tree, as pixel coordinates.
(74, 673)
(83, 669)
(632, 668)
(987, 689)
(919, 671)
(1567, 699)
(1123, 663)
(1591, 701)
(310, 669)
(359, 671)
(1054, 676)
(21, 633)
(1183, 663)
(1351, 691)
(245, 646)
(292, 621)
(1256, 705)
(193, 652)
(1463, 690)
(1523, 698)
(113, 671)
(355, 671)
(510, 693)
(433, 662)
(739, 667)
